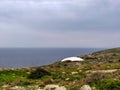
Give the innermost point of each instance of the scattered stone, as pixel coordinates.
(67, 79)
(85, 87)
(61, 88)
(55, 87)
(49, 87)
(17, 88)
(4, 87)
(8, 87)
(74, 73)
(63, 72)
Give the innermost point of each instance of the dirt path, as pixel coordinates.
(103, 71)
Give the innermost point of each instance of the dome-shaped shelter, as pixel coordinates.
(72, 59)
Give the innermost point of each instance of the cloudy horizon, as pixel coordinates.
(60, 23)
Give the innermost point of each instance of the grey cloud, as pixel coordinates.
(37, 23)
(51, 14)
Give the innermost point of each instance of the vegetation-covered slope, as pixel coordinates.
(101, 70)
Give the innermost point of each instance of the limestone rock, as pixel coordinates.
(85, 87)
(55, 87)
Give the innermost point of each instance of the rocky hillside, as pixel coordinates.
(99, 71)
(106, 56)
(106, 59)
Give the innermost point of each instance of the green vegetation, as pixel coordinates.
(108, 84)
(85, 68)
(24, 83)
(72, 75)
(68, 74)
(10, 75)
(38, 73)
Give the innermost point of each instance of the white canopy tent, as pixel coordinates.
(72, 59)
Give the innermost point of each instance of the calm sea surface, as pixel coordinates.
(14, 58)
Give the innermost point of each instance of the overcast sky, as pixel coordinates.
(59, 23)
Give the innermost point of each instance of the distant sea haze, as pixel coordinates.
(30, 57)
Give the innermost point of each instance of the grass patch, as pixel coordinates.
(85, 68)
(110, 66)
(108, 84)
(8, 76)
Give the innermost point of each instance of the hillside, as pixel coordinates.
(100, 70)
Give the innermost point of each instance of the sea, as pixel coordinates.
(32, 57)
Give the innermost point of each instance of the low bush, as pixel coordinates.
(38, 73)
(24, 83)
(110, 84)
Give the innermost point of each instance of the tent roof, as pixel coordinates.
(72, 59)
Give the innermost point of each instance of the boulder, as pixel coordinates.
(54, 87)
(85, 87)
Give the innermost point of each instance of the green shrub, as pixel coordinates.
(73, 88)
(85, 68)
(110, 84)
(38, 73)
(24, 83)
